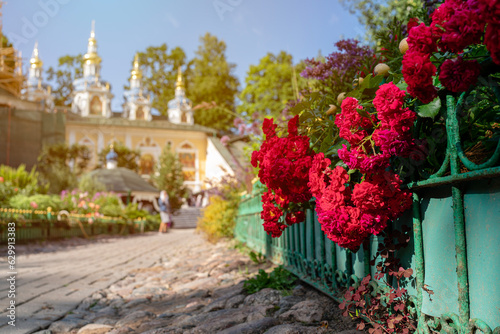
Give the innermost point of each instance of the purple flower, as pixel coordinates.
(339, 65)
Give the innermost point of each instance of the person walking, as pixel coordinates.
(164, 204)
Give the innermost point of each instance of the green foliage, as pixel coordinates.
(132, 212)
(14, 181)
(430, 109)
(127, 157)
(218, 219)
(373, 14)
(68, 69)
(168, 176)
(213, 81)
(257, 258)
(160, 73)
(90, 184)
(38, 201)
(279, 279)
(109, 205)
(54, 165)
(270, 85)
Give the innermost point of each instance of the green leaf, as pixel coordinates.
(327, 142)
(430, 109)
(375, 82)
(363, 113)
(402, 85)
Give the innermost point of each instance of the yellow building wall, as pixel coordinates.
(98, 137)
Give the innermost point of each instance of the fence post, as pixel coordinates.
(458, 217)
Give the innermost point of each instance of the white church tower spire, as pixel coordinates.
(136, 106)
(35, 89)
(91, 95)
(91, 60)
(180, 108)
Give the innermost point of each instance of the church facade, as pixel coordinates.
(92, 123)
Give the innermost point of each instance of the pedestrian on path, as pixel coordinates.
(164, 204)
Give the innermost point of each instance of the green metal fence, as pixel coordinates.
(454, 251)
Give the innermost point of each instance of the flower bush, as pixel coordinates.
(364, 135)
(355, 165)
(290, 158)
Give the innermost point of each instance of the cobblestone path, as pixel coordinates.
(48, 285)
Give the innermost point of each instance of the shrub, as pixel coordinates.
(38, 201)
(90, 184)
(279, 279)
(218, 219)
(14, 181)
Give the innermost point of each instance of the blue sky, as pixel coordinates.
(250, 28)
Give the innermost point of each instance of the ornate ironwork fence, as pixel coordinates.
(454, 251)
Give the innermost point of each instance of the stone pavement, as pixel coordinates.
(171, 283)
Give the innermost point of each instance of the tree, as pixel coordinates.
(59, 165)
(127, 157)
(69, 68)
(168, 176)
(160, 73)
(213, 81)
(270, 85)
(374, 14)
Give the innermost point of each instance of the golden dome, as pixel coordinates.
(179, 84)
(136, 72)
(35, 62)
(91, 58)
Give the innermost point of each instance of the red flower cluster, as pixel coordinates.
(457, 75)
(352, 126)
(349, 213)
(392, 133)
(455, 25)
(417, 67)
(349, 216)
(489, 12)
(284, 168)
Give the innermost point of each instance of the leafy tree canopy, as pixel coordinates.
(213, 81)
(271, 84)
(160, 68)
(168, 176)
(59, 165)
(373, 14)
(68, 69)
(127, 157)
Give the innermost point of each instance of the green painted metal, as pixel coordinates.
(456, 233)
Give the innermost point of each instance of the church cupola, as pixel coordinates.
(135, 74)
(35, 90)
(35, 71)
(91, 60)
(180, 108)
(136, 105)
(111, 159)
(91, 95)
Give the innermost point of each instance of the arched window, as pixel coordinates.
(188, 158)
(96, 106)
(139, 113)
(146, 164)
(183, 117)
